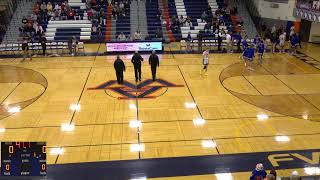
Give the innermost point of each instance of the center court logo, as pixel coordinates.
(143, 90)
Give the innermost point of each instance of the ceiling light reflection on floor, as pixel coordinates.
(2, 130)
(312, 170)
(136, 147)
(305, 116)
(199, 122)
(208, 144)
(56, 151)
(135, 124)
(140, 178)
(75, 107)
(262, 117)
(14, 109)
(132, 106)
(282, 138)
(190, 105)
(224, 176)
(66, 127)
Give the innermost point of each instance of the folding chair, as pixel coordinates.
(81, 47)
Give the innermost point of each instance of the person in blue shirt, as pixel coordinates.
(258, 173)
(256, 42)
(245, 56)
(260, 49)
(294, 43)
(244, 45)
(250, 56)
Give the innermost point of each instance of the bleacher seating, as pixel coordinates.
(77, 4)
(153, 22)
(63, 30)
(194, 9)
(123, 24)
(173, 11)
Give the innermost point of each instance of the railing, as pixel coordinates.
(53, 48)
(254, 13)
(7, 12)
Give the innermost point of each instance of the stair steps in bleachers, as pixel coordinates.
(108, 24)
(153, 23)
(64, 29)
(77, 4)
(214, 5)
(167, 20)
(163, 26)
(122, 24)
(248, 23)
(173, 11)
(134, 23)
(193, 9)
(24, 8)
(142, 17)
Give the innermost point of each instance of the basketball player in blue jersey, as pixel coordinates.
(250, 56)
(261, 49)
(245, 56)
(244, 46)
(256, 42)
(294, 43)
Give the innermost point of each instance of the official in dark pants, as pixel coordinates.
(136, 61)
(154, 63)
(43, 41)
(120, 68)
(219, 41)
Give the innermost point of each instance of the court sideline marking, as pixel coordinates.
(74, 112)
(194, 101)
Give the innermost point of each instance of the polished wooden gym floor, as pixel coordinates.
(244, 111)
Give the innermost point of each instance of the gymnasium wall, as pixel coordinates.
(314, 32)
(276, 9)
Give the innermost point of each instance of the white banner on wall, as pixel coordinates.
(133, 46)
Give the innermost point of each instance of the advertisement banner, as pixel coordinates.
(133, 46)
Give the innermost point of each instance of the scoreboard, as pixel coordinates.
(23, 159)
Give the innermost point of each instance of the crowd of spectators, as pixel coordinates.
(259, 173)
(120, 8)
(313, 5)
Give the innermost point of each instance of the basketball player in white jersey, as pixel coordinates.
(282, 41)
(205, 61)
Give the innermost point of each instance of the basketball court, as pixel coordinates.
(74, 105)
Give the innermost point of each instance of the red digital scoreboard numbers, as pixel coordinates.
(23, 159)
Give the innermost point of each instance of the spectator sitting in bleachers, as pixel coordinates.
(43, 7)
(174, 24)
(159, 14)
(39, 30)
(182, 20)
(204, 16)
(221, 20)
(122, 37)
(57, 7)
(94, 28)
(295, 176)
(159, 33)
(137, 35)
(49, 6)
(258, 172)
(63, 15)
(207, 27)
(188, 22)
